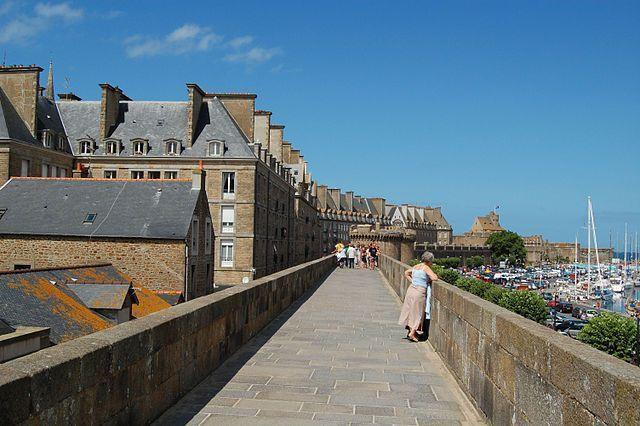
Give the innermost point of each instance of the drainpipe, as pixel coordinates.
(186, 269)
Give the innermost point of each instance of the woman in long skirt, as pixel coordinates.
(421, 277)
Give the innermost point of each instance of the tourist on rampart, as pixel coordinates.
(340, 254)
(373, 256)
(363, 257)
(351, 256)
(413, 308)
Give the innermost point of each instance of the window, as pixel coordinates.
(137, 174)
(110, 174)
(153, 174)
(45, 170)
(20, 267)
(86, 147)
(171, 175)
(228, 184)
(47, 138)
(216, 148)
(60, 144)
(173, 148)
(89, 219)
(207, 239)
(112, 148)
(140, 148)
(54, 171)
(227, 213)
(195, 236)
(62, 172)
(24, 168)
(226, 253)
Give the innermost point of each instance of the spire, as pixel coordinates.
(49, 93)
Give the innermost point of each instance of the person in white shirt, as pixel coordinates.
(351, 256)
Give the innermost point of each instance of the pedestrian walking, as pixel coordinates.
(351, 256)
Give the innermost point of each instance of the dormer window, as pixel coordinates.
(140, 147)
(86, 147)
(47, 138)
(60, 143)
(216, 148)
(173, 148)
(112, 147)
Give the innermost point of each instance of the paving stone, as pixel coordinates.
(326, 362)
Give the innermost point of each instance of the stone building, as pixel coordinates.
(536, 249)
(397, 243)
(481, 230)
(159, 232)
(32, 138)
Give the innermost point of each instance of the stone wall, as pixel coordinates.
(155, 264)
(131, 373)
(463, 252)
(519, 372)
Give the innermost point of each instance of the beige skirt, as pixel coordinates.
(413, 307)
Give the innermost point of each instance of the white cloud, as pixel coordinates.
(185, 39)
(238, 42)
(24, 27)
(255, 55)
(60, 10)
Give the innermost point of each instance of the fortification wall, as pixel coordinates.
(131, 373)
(519, 372)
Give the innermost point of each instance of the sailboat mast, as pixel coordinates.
(624, 262)
(595, 239)
(589, 242)
(575, 263)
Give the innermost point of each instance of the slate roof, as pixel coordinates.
(435, 216)
(103, 296)
(156, 209)
(157, 122)
(148, 302)
(5, 328)
(27, 299)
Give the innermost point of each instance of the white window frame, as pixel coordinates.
(232, 194)
(195, 236)
(175, 147)
(115, 174)
(166, 172)
(229, 228)
(86, 147)
(44, 170)
(216, 148)
(109, 147)
(139, 143)
(54, 171)
(207, 236)
(62, 172)
(25, 167)
(227, 253)
(137, 171)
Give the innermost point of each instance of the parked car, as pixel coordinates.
(591, 313)
(547, 296)
(553, 304)
(565, 307)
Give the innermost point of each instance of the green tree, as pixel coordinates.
(448, 275)
(494, 294)
(448, 262)
(474, 261)
(526, 303)
(507, 245)
(610, 333)
(413, 262)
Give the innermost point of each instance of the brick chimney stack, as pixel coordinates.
(241, 106)
(109, 108)
(196, 95)
(276, 137)
(20, 84)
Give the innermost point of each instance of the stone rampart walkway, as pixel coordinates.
(335, 357)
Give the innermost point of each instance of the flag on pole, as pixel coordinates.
(497, 207)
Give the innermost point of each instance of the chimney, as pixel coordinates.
(334, 193)
(19, 85)
(241, 106)
(261, 124)
(198, 177)
(349, 197)
(109, 108)
(77, 172)
(286, 152)
(295, 156)
(68, 97)
(276, 135)
(194, 106)
(379, 204)
(322, 196)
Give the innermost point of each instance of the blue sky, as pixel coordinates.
(530, 105)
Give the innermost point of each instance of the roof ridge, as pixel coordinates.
(56, 268)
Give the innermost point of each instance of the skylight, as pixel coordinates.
(91, 217)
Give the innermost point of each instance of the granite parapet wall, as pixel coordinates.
(519, 372)
(131, 373)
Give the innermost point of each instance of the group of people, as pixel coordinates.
(417, 304)
(351, 255)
